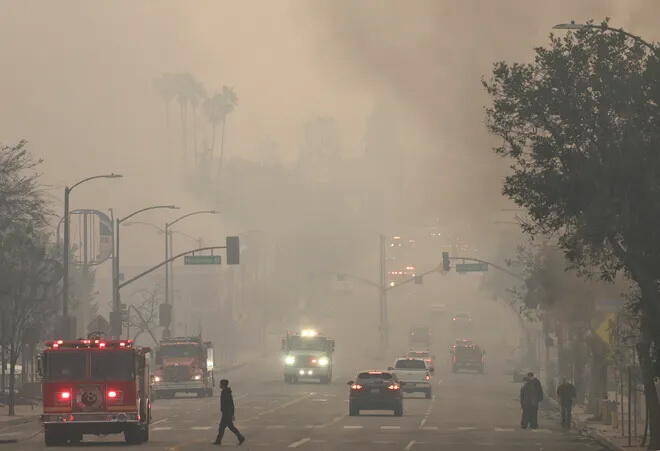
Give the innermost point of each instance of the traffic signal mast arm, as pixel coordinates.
(504, 270)
(171, 259)
(417, 276)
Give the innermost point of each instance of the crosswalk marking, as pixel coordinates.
(430, 428)
(201, 428)
(390, 427)
(504, 429)
(352, 427)
(162, 428)
(466, 428)
(275, 426)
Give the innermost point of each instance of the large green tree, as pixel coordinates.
(581, 126)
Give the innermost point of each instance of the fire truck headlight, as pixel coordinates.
(289, 360)
(197, 377)
(324, 361)
(157, 379)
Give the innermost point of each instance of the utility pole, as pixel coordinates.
(384, 320)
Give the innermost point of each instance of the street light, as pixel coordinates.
(582, 26)
(198, 241)
(115, 320)
(66, 327)
(168, 266)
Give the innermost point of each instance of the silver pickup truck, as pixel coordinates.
(413, 376)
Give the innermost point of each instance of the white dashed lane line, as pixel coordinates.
(390, 428)
(353, 427)
(300, 442)
(201, 428)
(466, 428)
(410, 445)
(163, 428)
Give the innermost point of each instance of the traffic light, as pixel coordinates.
(445, 261)
(233, 250)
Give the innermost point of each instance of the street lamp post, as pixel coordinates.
(115, 321)
(66, 326)
(581, 26)
(168, 267)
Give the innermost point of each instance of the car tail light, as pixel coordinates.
(356, 387)
(393, 387)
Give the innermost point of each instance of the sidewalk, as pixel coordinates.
(24, 414)
(606, 435)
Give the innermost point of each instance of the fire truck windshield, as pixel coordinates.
(176, 351)
(65, 366)
(112, 365)
(308, 343)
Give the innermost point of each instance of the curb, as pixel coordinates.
(18, 421)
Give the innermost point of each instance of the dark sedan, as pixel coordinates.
(375, 390)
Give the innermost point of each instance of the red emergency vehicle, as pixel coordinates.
(95, 386)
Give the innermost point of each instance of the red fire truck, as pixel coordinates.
(183, 365)
(94, 386)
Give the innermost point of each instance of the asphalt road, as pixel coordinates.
(469, 412)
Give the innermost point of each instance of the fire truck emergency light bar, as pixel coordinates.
(88, 343)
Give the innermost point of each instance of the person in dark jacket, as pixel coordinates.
(227, 410)
(566, 394)
(531, 395)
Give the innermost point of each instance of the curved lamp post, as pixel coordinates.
(67, 326)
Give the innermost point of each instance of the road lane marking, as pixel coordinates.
(410, 445)
(430, 428)
(504, 429)
(348, 426)
(300, 442)
(466, 428)
(388, 428)
(275, 426)
(427, 414)
(542, 430)
(159, 421)
(201, 428)
(276, 408)
(162, 428)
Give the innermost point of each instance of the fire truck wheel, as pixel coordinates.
(54, 435)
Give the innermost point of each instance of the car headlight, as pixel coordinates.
(197, 377)
(323, 361)
(156, 378)
(289, 360)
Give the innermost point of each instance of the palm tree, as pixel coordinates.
(217, 108)
(166, 87)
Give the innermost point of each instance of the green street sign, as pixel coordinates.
(471, 267)
(201, 260)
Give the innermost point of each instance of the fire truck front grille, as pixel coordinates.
(176, 374)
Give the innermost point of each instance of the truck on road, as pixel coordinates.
(94, 386)
(184, 365)
(413, 376)
(307, 355)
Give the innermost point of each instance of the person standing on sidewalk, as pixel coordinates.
(566, 394)
(531, 395)
(227, 410)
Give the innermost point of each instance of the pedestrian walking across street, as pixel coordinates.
(227, 411)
